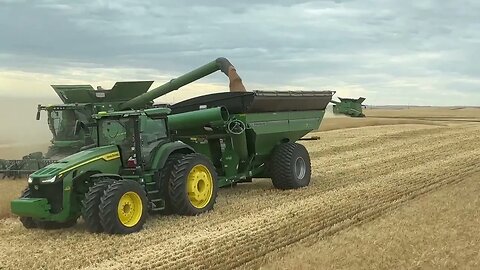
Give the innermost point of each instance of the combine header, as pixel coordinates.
(173, 160)
(349, 106)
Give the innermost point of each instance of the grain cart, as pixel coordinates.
(349, 106)
(174, 159)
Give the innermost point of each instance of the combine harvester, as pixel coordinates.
(173, 160)
(349, 106)
(80, 102)
(72, 125)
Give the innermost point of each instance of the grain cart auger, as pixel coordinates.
(72, 125)
(173, 160)
(349, 106)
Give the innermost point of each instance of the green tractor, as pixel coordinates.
(173, 160)
(349, 106)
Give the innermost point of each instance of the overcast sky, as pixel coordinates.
(392, 52)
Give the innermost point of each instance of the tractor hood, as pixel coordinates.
(62, 167)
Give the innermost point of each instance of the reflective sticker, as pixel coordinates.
(111, 156)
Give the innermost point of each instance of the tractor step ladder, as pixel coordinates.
(153, 194)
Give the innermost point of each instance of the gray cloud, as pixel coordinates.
(390, 51)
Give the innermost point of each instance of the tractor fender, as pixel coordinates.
(166, 150)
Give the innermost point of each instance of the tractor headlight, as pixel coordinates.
(30, 180)
(51, 180)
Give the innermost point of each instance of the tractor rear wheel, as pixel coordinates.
(27, 222)
(91, 203)
(123, 207)
(290, 166)
(193, 185)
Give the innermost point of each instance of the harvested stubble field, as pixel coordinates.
(372, 191)
(9, 190)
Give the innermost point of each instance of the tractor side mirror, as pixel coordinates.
(38, 115)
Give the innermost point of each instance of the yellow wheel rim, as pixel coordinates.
(199, 186)
(130, 209)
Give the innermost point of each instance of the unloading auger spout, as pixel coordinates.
(220, 63)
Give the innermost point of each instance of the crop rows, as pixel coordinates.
(355, 178)
(244, 239)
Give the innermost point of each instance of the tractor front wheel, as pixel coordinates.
(290, 166)
(31, 223)
(53, 225)
(91, 203)
(192, 185)
(27, 222)
(123, 208)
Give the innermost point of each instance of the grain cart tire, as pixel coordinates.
(123, 207)
(27, 222)
(193, 185)
(165, 180)
(290, 166)
(91, 203)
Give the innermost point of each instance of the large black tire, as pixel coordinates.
(182, 202)
(91, 203)
(165, 175)
(27, 222)
(133, 198)
(290, 166)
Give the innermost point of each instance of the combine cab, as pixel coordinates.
(349, 106)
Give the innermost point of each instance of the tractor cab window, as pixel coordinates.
(120, 132)
(62, 124)
(153, 132)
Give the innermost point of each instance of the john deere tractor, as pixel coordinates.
(173, 160)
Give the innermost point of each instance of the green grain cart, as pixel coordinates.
(173, 160)
(349, 106)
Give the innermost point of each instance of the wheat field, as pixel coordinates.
(372, 189)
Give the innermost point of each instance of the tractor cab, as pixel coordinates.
(137, 134)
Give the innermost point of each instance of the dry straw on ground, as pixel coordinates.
(358, 175)
(438, 231)
(9, 189)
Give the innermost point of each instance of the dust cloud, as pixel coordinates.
(329, 113)
(20, 133)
